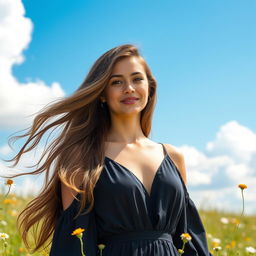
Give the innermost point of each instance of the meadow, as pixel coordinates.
(228, 234)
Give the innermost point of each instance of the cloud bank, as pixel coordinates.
(228, 160)
(15, 36)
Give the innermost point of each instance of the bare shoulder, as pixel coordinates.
(178, 159)
(68, 194)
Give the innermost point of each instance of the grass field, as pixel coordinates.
(236, 235)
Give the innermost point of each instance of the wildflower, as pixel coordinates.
(9, 182)
(21, 249)
(217, 249)
(216, 240)
(79, 233)
(224, 220)
(185, 237)
(3, 236)
(3, 223)
(101, 247)
(250, 249)
(242, 186)
(232, 244)
(8, 201)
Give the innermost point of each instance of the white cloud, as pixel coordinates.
(234, 140)
(18, 100)
(28, 186)
(227, 161)
(5, 150)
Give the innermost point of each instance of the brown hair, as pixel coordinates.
(78, 151)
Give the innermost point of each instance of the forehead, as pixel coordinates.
(128, 65)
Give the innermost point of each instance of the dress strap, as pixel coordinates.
(184, 185)
(165, 151)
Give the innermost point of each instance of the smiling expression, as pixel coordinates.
(128, 79)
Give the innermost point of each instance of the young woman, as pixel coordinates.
(108, 178)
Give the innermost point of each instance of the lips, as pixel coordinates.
(130, 99)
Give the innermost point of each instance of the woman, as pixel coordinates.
(126, 191)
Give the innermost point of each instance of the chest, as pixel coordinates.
(142, 165)
(120, 185)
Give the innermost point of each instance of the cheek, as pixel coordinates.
(112, 95)
(144, 90)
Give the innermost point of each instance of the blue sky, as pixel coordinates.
(202, 54)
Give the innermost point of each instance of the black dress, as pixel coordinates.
(129, 221)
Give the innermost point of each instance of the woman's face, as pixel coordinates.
(128, 79)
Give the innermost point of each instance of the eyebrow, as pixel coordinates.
(117, 75)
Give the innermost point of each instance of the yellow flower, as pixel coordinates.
(78, 232)
(242, 186)
(233, 244)
(21, 249)
(185, 237)
(101, 246)
(8, 201)
(9, 182)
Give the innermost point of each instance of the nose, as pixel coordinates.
(129, 88)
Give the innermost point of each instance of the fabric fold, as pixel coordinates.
(190, 222)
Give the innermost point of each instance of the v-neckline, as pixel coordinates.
(149, 194)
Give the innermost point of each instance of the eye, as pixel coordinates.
(115, 82)
(139, 79)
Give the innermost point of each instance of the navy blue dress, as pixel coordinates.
(129, 221)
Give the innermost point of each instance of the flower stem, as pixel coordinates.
(9, 188)
(242, 210)
(82, 245)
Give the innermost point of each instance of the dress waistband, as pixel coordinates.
(138, 235)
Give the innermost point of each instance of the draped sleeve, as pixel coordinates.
(190, 222)
(65, 244)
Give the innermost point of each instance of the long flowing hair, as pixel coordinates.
(78, 151)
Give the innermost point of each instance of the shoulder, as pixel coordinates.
(178, 159)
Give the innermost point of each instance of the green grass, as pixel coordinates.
(233, 238)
